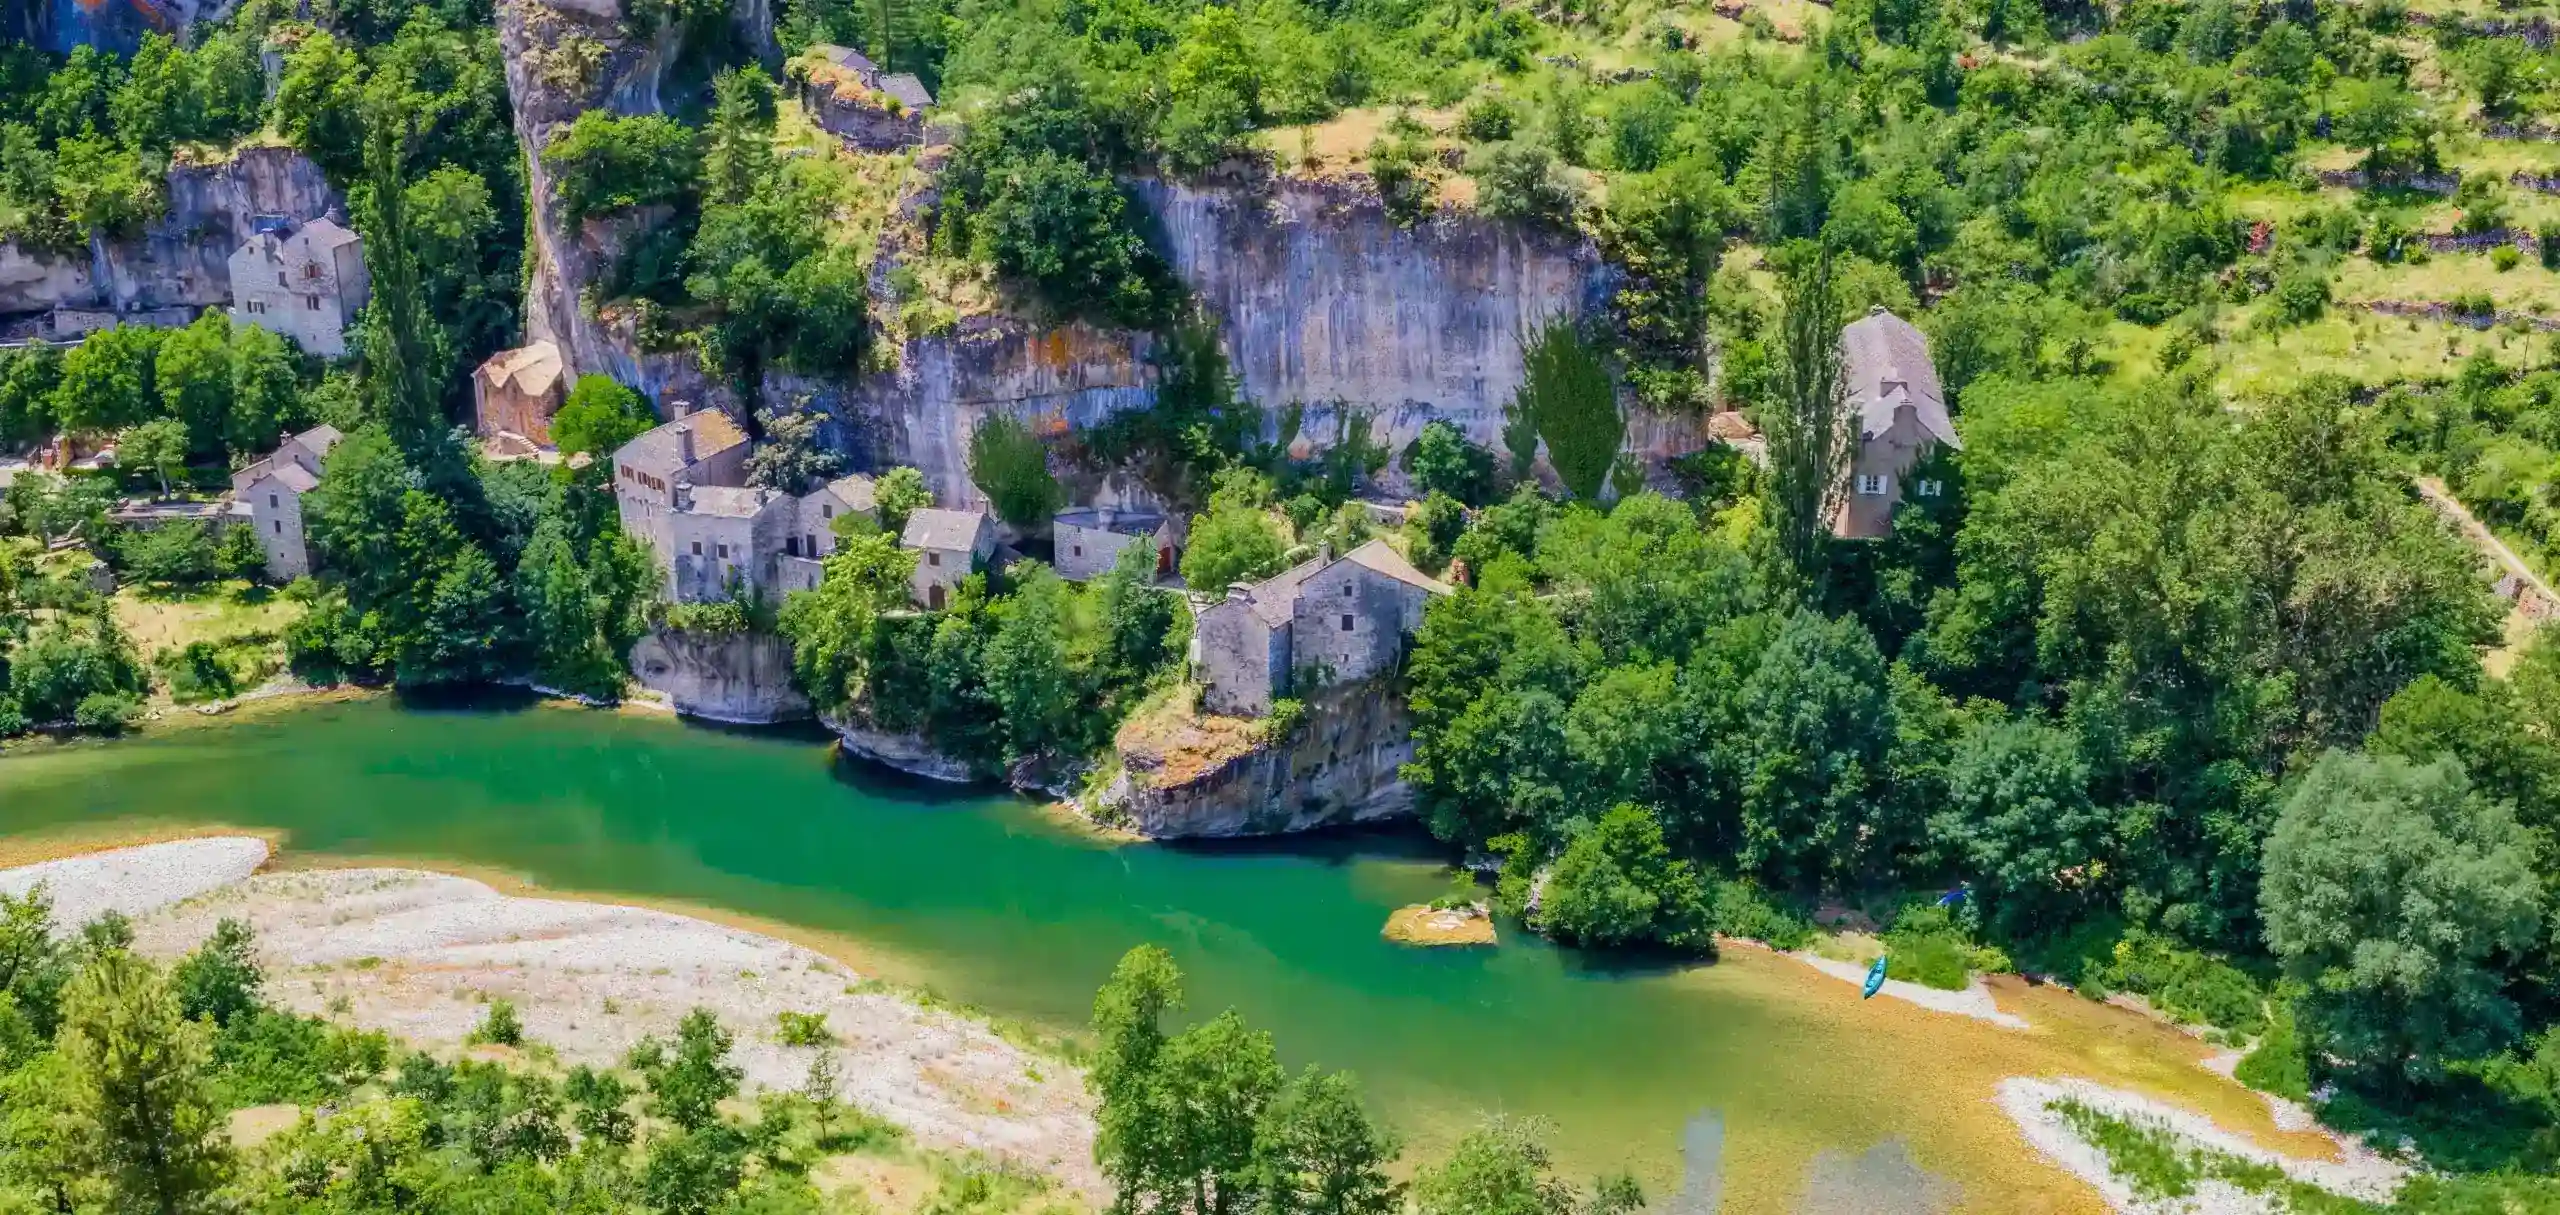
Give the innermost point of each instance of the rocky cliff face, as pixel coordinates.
(743, 677)
(1338, 767)
(181, 259)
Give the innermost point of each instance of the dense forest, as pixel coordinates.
(2182, 685)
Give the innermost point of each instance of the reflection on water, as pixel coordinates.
(1883, 1180)
(1701, 1165)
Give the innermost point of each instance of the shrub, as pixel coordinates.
(1012, 465)
(2505, 258)
(1618, 884)
(802, 1029)
(1487, 119)
(2277, 1063)
(2300, 296)
(603, 162)
(498, 1027)
(196, 673)
(1743, 909)
(107, 712)
(1443, 460)
(2546, 242)
(268, 1057)
(1519, 180)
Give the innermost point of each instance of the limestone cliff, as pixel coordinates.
(1189, 776)
(738, 677)
(181, 259)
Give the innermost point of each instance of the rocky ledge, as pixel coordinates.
(1188, 774)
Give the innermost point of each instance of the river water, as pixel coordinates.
(1780, 1076)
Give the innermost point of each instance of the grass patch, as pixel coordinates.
(1021, 1033)
(2160, 1165)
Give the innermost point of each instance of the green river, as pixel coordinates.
(989, 900)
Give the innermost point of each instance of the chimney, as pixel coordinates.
(684, 447)
(684, 495)
(1241, 592)
(1103, 517)
(1324, 553)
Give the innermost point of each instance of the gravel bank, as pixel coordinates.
(2359, 1174)
(136, 881)
(418, 954)
(1974, 1001)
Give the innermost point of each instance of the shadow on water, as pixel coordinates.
(1701, 1165)
(471, 701)
(1883, 1180)
(879, 781)
(1327, 846)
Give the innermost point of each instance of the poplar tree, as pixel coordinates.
(1810, 429)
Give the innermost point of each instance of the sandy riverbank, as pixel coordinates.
(2358, 1173)
(419, 954)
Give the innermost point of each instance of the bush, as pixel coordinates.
(2301, 295)
(1011, 465)
(599, 416)
(107, 712)
(269, 1057)
(1519, 180)
(2190, 987)
(2546, 242)
(2505, 258)
(1487, 119)
(2277, 1063)
(1618, 884)
(196, 673)
(1743, 909)
(172, 554)
(802, 1029)
(498, 1027)
(1927, 946)
(1443, 460)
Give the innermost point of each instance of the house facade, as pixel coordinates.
(949, 545)
(682, 489)
(1321, 623)
(1086, 542)
(1891, 387)
(517, 391)
(304, 281)
(268, 497)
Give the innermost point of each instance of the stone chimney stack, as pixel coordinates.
(684, 495)
(684, 446)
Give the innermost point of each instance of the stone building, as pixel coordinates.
(949, 546)
(682, 489)
(268, 496)
(305, 281)
(849, 96)
(1087, 541)
(517, 391)
(1891, 384)
(1321, 623)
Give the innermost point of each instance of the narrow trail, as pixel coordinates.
(2437, 495)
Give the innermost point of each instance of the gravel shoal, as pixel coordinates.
(420, 954)
(136, 881)
(2360, 1173)
(1974, 1001)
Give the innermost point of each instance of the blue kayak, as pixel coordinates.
(1875, 981)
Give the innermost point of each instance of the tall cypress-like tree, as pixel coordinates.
(1568, 393)
(1811, 428)
(404, 347)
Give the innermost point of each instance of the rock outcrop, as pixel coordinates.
(1336, 767)
(180, 260)
(912, 754)
(733, 677)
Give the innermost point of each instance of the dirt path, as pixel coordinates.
(2437, 495)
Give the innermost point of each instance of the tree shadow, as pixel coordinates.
(1328, 846)
(2462, 1124)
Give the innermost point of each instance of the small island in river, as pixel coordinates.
(1426, 925)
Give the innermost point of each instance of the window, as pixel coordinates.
(271, 501)
(697, 548)
(1346, 590)
(810, 542)
(724, 552)
(826, 512)
(1870, 485)
(1929, 489)
(279, 527)
(791, 545)
(280, 278)
(312, 302)
(1346, 623)
(311, 270)
(933, 558)
(1079, 550)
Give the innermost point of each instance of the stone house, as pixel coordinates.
(721, 539)
(1892, 386)
(268, 496)
(849, 96)
(517, 391)
(812, 539)
(1086, 542)
(306, 282)
(949, 546)
(1321, 623)
(682, 489)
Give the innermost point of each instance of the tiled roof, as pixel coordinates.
(320, 438)
(857, 491)
(949, 530)
(1884, 363)
(1275, 598)
(909, 91)
(656, 451)
(326, 233)
(1378, 557)
(729, 501)
(534, 368)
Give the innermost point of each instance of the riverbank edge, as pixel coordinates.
(882, 968)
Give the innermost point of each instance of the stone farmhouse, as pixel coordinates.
(1086, 542)
(1889, 380)
(268, 496)
(306, 282)
(1324, 622)
(682, 489)
(949, 546)
(516, 392)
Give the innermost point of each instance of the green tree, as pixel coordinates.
(900, 492)
(2391, 891)
(604, 162)
(158, 446)
(1499, 1168)
(193, 374)
(220, 982)
(319, 103)
(1618, 884)
(2020, 821)
(1567, 391)
(1442, 460)
(791, 458)
(599, 416)
(687, 1086)
(1011, 466)
(835, 629)
(464, 624)
(1027, 671)
(266, 390)
(1236, 539)
(1317, 1151)
(405, 347)
(1811, 429)
(1816, 725)
(135, 1078)
(106, 381)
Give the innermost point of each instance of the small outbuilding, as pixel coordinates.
(1087, 541)
(517, 391)
(949, 546)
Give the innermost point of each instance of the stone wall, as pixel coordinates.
(181, 259)
(1337, 768)
(741, 677)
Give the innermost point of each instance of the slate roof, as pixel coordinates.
(948, 530)
(1275, 598)
(326, 233)
(730, 501)
(1124, 522)
(294, 476)
(846, 57)
(1884, 362)
(656, 450)
(320, 438)
(909, 91)
(1378, 557)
